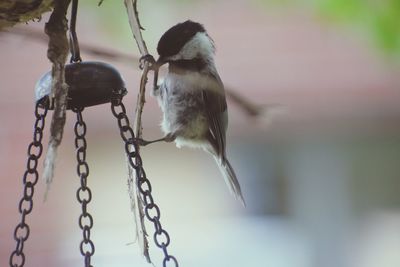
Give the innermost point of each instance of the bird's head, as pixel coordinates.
(185, 41)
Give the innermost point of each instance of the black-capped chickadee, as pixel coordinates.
(192, 96)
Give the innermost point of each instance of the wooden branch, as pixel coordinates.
(137, 34)
(133, 189)
(56, 29)
(90, 49)
(136, 28)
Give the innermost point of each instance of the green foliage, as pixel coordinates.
(110, 16)
(345, 10)
(381, 18)
(386, 26)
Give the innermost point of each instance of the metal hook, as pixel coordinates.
(74, 45)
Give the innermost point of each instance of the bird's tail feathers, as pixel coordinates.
(230, 178)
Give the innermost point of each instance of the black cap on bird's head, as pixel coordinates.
(172, 41)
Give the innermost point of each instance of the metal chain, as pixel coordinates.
(73, 38)
(83, 194)
(151, 210)
(30, 178)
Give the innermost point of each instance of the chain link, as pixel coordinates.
(151, 210)
(29, 179)
(83, 194)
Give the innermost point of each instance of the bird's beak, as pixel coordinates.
(160, 61)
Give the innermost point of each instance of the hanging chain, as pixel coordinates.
(151, 210)
(73, 38)
(30, 178)
(84, 194)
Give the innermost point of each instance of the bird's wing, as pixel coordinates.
(216, 110)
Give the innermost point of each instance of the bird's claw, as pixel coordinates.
(149, 59)
(142, 142)
(169, 137)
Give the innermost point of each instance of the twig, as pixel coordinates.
(137, 34)
(93, 50)
(250, 109)
(262, 114)
(56, 29)
(133, 189)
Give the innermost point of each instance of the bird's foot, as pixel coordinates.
(168, 138)
(149, 59)
(142, 142)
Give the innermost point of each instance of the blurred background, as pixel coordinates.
(321, 175)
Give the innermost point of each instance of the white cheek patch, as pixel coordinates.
(199, 44)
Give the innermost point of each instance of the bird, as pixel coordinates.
(192, 96)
